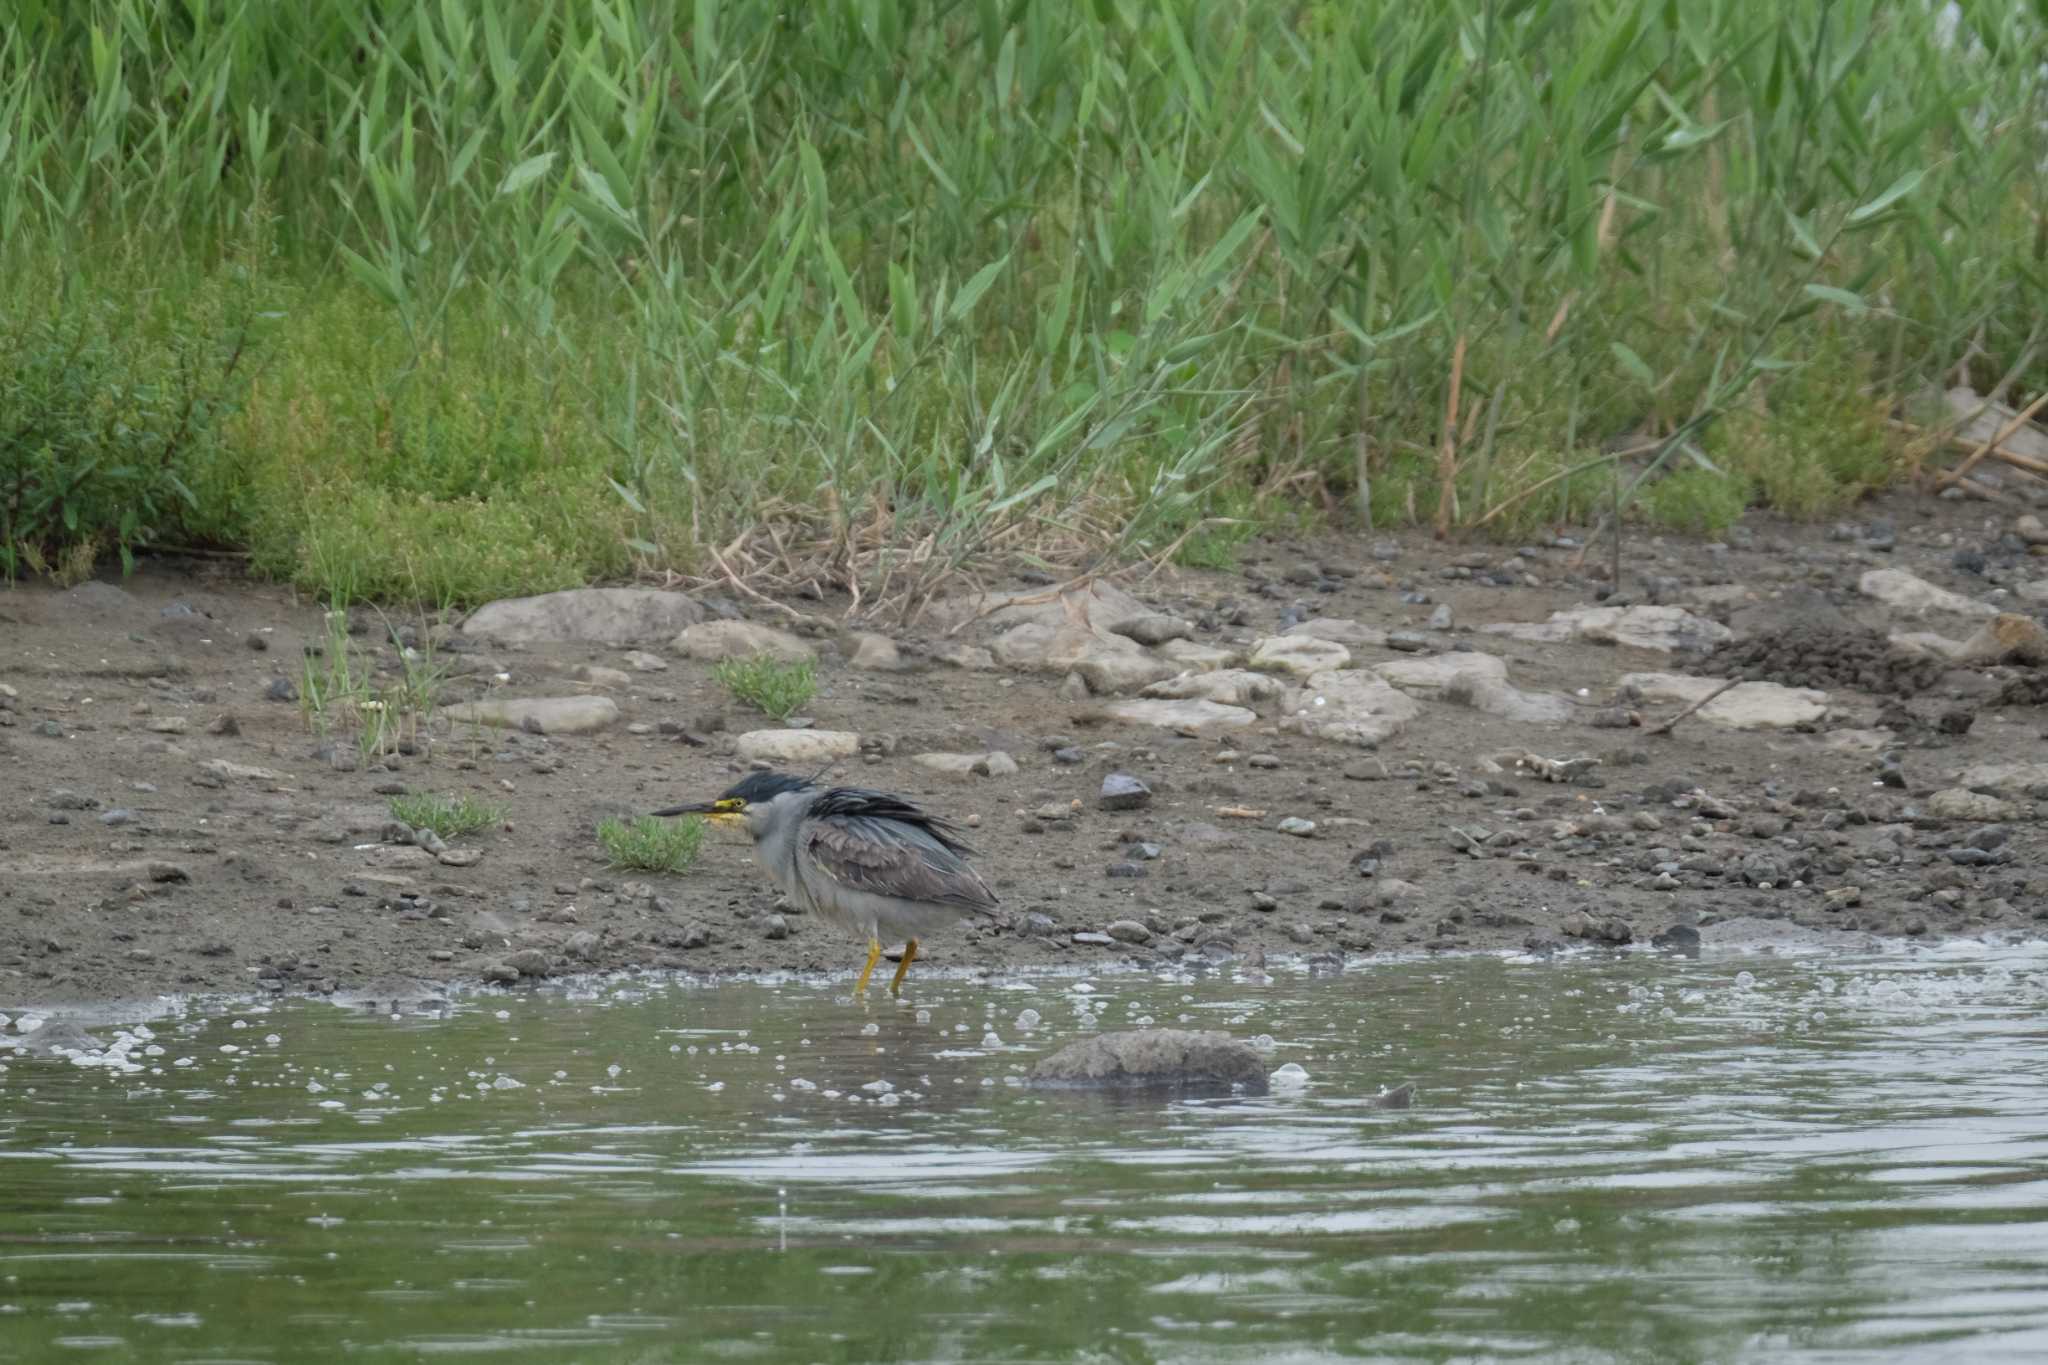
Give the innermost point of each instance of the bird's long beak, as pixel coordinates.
(720, 812)
(694, 808)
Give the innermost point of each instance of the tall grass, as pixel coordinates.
(550, 288)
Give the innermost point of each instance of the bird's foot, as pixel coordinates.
(860, 987)
(909, 956)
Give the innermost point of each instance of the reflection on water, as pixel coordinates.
(1631, 1158)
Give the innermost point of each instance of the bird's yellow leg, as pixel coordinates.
(860, 987)
(909, 956)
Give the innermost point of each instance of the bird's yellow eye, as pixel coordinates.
(728, 805)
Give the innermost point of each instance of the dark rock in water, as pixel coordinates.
(1400, 1097)
(1679, 938)
(529, 962)
(1607, 929)
(1179, 1060)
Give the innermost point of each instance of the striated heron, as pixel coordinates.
(863, 860)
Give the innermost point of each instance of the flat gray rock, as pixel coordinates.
(1155, 1059)
(1197, 657)
(1202, 719)
(1469, 678)
(605, 616)
(1915, 596)
(1097, 603)
(1108, 663)
(877, 654)
(1225, 686)
(715, 640)
(1641, 627)
(2011, 780)
(1349, 707)
(1300, 655)
(550, 715)
(1340, 630)
(1746, 706)
(796, 748)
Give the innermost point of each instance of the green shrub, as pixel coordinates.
(769, 685)
(651, 844)
(99, 431)
(448, 816)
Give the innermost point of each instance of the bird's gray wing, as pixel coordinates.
(893, 858)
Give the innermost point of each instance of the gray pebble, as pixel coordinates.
(1121, 791)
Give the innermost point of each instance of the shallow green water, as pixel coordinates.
(1633, 1159)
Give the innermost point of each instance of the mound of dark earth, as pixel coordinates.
(2028, 689)
(1826, 658)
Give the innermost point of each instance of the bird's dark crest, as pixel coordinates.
(758, 789)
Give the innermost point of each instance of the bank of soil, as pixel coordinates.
(171, 823)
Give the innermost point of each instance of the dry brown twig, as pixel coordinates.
(1998, 439)
(1664, 727)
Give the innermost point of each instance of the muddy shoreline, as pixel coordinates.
(173, 825)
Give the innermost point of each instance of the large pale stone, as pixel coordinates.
(239, 772)
(995, 763)
(796, 747)
(1747, 706)
(1107, 663)
(1915, 596)
(551, 715)
(1981, 421)
(1167, 1059)
(715, 640)
(877, 654)
(606, 616)
(1097, 604)
(1925, 642)
(1300, 655)
(1469, 678)
(1198, 657)
(2007, 779)
(2007, 638)
(1349, 707)
(1342, 631)
(1202, 719)
(1428, 677)
(1230, 686)
(1640, 627)
(1960, 803)
(1153, 628)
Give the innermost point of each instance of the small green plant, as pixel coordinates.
(448, 816)
(1698, 501)
(339, 690)
(649, 844)
(770, 685)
